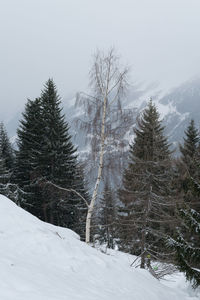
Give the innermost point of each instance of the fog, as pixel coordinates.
(159, 39)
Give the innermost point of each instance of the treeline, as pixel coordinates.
(155, 214)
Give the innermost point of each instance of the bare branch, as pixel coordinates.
(63, 189)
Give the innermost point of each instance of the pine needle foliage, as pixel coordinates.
(7, 188)
(189, 165)
(146, 204)
(46, 155)
(187, 250)
(107, 217)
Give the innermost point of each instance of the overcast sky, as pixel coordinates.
(159, 39)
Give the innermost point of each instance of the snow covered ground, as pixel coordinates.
(39, 261)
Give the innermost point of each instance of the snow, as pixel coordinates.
(178, 281)
(39, 261)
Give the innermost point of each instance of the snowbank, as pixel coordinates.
(39, 261)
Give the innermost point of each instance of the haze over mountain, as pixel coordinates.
(177, 107)
(183, 104)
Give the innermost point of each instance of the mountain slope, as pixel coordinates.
(39, 261)
(183, 104)
(177, 107)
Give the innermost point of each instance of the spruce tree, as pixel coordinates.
(47, 160)
(7, 151)
(186, 242)
(189, 148)
(4, 175)
(29, 139)
(188, 166)
(7, 187)
(107, 218)
(58, 160)
(57, 151)
(146, 205)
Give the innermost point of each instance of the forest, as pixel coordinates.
(154, 213)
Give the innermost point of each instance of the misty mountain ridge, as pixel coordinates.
(177, 107)
(184, 104)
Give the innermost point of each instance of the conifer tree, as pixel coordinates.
(7, 188)
(47, 160)
(188, 165)
(28, 154)
(4, 175)
(29, 141)
(107, 218)
(6, 148)
(189, 148)
(188, 249)
(146, 205)
(58, 159)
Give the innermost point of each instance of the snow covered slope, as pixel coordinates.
(39, 261)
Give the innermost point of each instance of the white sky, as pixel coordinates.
(159, 39)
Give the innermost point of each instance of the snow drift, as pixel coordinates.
(39, 261)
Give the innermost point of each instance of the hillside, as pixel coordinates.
(183, 104)
(39, 261)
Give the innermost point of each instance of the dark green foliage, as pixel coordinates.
(4, 176)
(186, 241)
(189, 166)
(187, 250)
(6, 149)
(150, 142)
(46, 157)
(58, 153)
(107, 218)
(29, 142)
(189, 148)
(27, 157)
(7, 188)
(59, 163)
(146, 203)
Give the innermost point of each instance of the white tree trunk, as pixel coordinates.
(94, 195)
(108, 81)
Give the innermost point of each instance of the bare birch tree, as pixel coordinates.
(108, 81)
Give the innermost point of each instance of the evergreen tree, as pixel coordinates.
(189, 148)
(47, 160)
(7, 188)
(146, 205)
(28, 154)
(57, 152)
(107, 218)
(188, 172)
(188, 165)
(29, 142)
(188, 249)
(4, 175)
(6, 148)
(59, 160)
